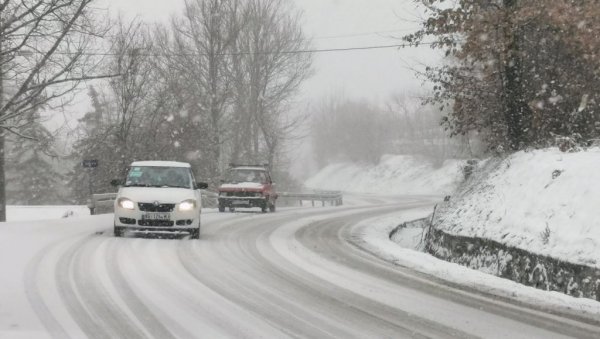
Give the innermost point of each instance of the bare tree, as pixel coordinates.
(43, 45)
(346, 130)
(419, 130)
(130, 91)
(219, 79)
(132, 114)
(269, 70)
(202, 43)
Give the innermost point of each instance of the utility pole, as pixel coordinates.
(2, 151)
(90, 165)
(516, 112)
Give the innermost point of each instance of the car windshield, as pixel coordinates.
(245, 175)
(146, 176)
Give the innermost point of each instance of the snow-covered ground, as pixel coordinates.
(544, 201)
(516, 201)
(48, 263)
(374, 237)
(395, 174)
(29, 213)
(28, 243)
(252, 275)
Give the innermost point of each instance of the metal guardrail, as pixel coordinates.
(210, 199)
(104, 203)
(334, 198)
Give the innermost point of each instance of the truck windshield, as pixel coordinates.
(146, 176)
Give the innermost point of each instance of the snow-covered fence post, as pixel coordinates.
(90, 205)
(429, 234)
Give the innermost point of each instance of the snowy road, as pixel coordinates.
(296, 273)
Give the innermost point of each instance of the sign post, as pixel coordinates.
(90, 164)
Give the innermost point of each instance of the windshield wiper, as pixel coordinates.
(136, 185)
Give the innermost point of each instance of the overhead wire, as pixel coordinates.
(358, 34)
(298, 51)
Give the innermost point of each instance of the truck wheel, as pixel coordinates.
(272, 207)
(231, 209)
(263, 208)
(221, 208)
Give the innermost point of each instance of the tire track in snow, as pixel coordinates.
(334, 241)
(304, 305)
(252, 296)
(201, 311)
(362, 311)
(129, 296)
(87, 301)
(34, 295)
(68, 292)
(294, 273)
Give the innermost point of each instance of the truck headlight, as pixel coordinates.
(187, 205)
(126, 203)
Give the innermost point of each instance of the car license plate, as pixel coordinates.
(240, 202)
(156, 216)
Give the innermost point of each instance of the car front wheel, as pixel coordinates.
(195, 233)
(118, 231)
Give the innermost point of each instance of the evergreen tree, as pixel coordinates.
(94, 142)
(31, 171)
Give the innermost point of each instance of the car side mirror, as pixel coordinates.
(116, 182)
(201, 186)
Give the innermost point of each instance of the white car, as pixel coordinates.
(156, 197)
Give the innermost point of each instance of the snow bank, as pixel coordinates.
(29, 213)
(543, 201)
(395, 174)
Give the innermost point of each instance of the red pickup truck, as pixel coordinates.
(247, 186)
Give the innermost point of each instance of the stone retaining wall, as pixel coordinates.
(513, 263)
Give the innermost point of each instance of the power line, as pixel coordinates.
(350, 35)
(298, 51)
(346, 49)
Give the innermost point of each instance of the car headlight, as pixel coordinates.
(187, 205)
(126, 203)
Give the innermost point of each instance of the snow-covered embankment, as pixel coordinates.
(543, 201)
(394, 175)
(530, 217)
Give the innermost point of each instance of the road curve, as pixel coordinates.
(298, 273)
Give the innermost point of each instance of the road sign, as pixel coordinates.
(90, 163)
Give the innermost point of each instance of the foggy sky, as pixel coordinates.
(372, 74)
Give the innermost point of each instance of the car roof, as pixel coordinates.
(254, 168)
(160, 164)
